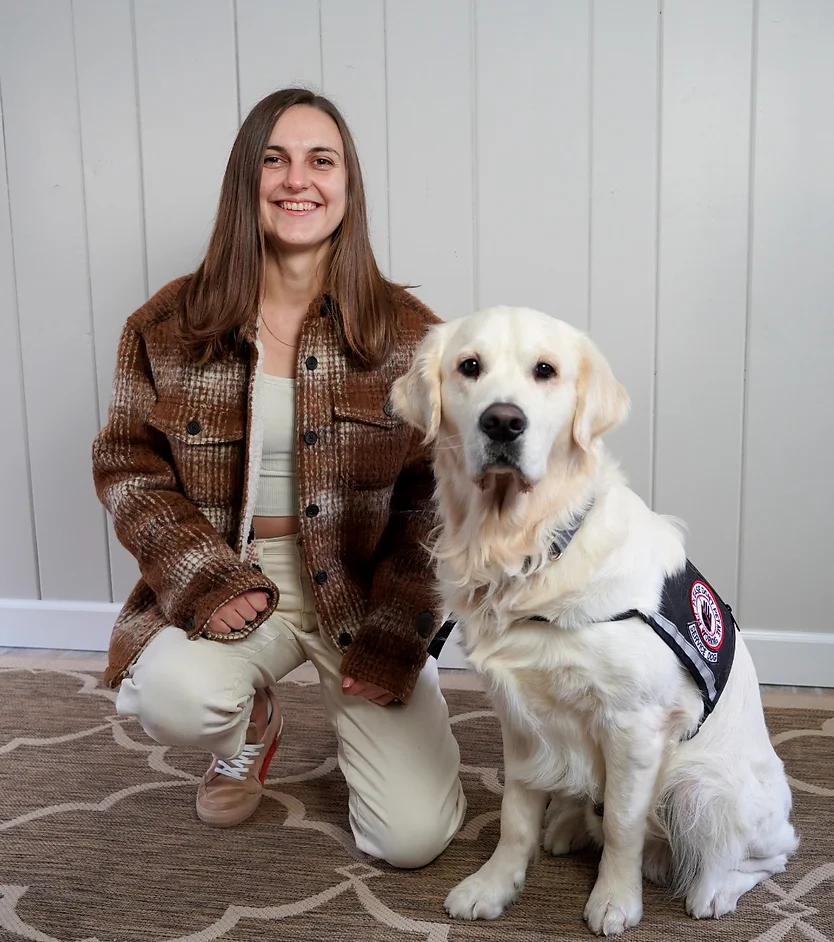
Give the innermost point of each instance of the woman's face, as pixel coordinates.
(303, 181)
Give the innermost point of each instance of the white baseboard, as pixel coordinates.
(784, 658)
(792, 658)
(64, 626)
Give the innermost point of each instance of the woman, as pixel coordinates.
(276, 507)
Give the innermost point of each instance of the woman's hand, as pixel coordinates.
(359, 688)
(234, 614)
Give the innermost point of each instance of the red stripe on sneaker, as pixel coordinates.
(267, 759)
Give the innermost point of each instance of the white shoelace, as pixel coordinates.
(239, 767)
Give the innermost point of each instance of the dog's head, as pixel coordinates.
(507, 388)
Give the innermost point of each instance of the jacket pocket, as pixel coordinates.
(206, 444)
(372, 442)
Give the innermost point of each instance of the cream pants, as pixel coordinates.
(401, 763)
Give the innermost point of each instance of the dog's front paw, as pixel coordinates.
(482, 896)
(612, 909)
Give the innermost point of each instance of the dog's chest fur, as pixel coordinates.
(563, 686)
(557, 690)
(541, 684)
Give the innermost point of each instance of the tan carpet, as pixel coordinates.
(99, 840)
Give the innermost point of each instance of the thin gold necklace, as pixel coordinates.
(272, 333)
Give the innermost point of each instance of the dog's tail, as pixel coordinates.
(698, 821)
(712, 820)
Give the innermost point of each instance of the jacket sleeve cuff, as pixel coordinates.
(379, 656)
(208, 604)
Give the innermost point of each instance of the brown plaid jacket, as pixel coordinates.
(177, 466)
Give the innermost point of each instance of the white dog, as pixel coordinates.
(566, 585)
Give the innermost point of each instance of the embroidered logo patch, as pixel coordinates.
(707, 630)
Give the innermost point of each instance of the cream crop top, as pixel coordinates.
(278, 485)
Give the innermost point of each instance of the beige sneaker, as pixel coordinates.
(231, 789)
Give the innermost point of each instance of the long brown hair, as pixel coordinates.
(221, 299)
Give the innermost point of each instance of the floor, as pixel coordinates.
(796, 697)
(80, 783)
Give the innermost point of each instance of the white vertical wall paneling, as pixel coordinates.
(18, 560)
(430, 151)
(188, 112)
(46, 192)
(532, 155)
(707, 52)
(789, 443)
(624, 148)
(353, 63)
(113, 188)
(279, 44)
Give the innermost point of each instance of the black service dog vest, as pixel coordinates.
(699, 627)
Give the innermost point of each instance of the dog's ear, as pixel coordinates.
(601, 402)
(416, 395)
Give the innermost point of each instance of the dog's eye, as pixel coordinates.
(470, 368)
(544, 371)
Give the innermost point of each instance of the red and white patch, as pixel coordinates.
(707, 614)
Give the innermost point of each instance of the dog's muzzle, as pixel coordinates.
(503, 425)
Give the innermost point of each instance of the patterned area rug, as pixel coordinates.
(99, 839)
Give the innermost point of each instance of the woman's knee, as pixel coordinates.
(411, 839)
(410, 848)
(181, 707)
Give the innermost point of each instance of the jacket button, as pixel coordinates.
(388, 409)
(310, 438)
(189, 623)
(194, 427)
(311, 363)
(424, 623)
(345, 638)
(312, 510)
(320, 577)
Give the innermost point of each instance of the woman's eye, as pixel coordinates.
(272, 160)
(544, 371)
(323, 162)
(470, 368)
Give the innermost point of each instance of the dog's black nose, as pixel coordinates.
(503, 422)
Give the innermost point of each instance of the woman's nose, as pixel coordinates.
(298, 177)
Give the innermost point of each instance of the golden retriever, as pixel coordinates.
(556, 569)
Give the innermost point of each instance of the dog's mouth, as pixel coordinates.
(501, 459)
(502, 477)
